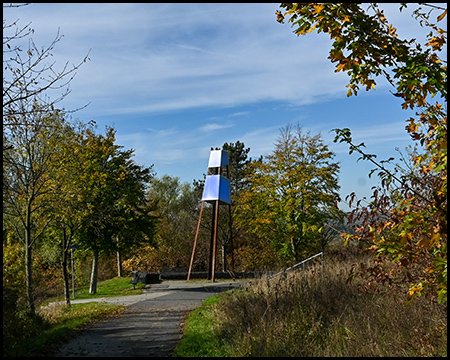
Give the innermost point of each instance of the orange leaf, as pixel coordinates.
(440, 17)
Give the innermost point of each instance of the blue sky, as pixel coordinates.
(178, 79)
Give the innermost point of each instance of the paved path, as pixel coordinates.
(151, 326)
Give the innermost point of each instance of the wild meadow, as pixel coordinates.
(315, 313)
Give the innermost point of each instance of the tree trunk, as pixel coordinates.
(65, 273)
(29, 277)
(294, 247)
(224, 258)
(94, 274)
(297, 241)
(119, 264)
(29, 262)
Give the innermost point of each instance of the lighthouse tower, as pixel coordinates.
(216, 191)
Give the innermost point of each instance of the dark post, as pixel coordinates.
(211, 243)
(215, 239)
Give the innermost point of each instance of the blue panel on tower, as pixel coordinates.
(218, 158)
(217, 187)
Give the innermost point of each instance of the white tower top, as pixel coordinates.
(218, 158)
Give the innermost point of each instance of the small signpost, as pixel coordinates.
(72, 247)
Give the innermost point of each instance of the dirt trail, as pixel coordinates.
(151, 326)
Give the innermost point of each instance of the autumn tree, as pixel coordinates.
(114, 197)
(407, 219)
(135, 228)
(293, 193)
(68, 206)
(27, 183)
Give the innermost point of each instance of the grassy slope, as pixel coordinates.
(199, 334)
(62, 322)
(117, 286)
(315, 315)
(65, 324)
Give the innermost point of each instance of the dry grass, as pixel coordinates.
(52, 311)
(313, 314)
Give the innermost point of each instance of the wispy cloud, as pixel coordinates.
(149, 58)
(162, 62)
(261, 141)
(215, 127)
(160, 57)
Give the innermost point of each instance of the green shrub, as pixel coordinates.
(19, 323)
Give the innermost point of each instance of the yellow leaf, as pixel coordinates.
(336, 56)
(404, 237)
(434, 239)
(387, 224)
(425, 242)
(312, 29)
(436, 43)
(370, 84)
(419, 287)
(346, 18)
(392, 30)
(317, 8)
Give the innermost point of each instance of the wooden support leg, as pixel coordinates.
(195, 242)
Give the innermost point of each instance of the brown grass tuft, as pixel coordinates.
(310, 313)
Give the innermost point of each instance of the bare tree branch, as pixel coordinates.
(28, 76)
